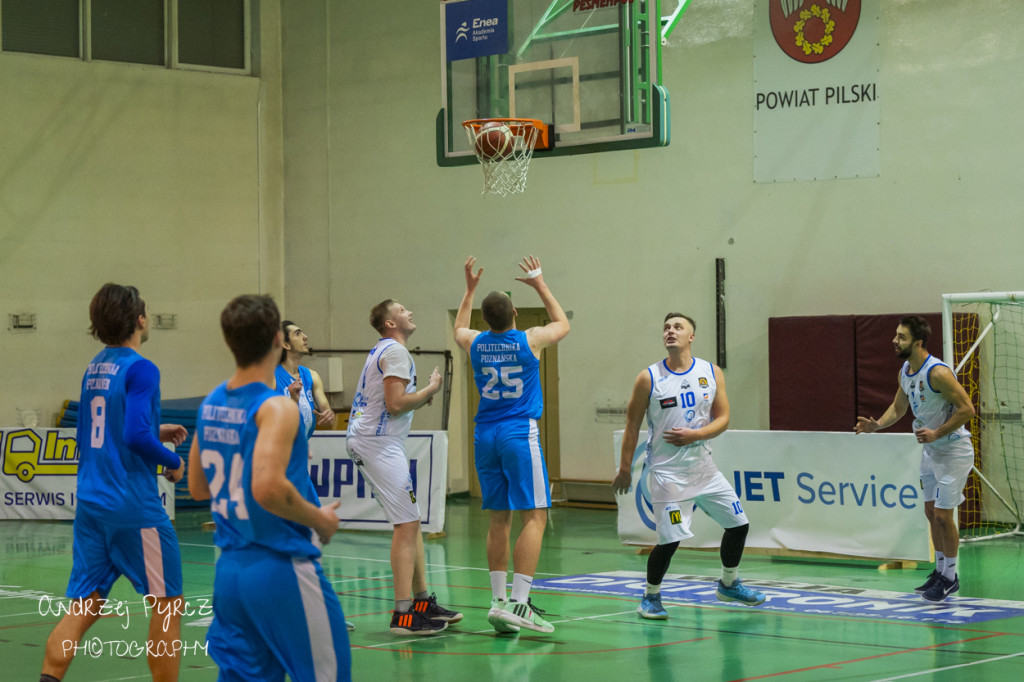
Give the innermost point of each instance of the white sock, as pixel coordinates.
(521, 586)
(949, 572)
(730, 575)
(653, 589)
(940, 561)
(499, 580)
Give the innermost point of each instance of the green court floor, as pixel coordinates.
(822, 621)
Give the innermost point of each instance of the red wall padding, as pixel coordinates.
(878, 367)
(811, 373)
(825, 370)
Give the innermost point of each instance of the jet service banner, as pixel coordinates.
(840, 493)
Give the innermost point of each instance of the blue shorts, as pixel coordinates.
(148, 557)
(275, 614)
(510, 465)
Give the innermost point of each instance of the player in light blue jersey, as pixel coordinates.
(121, 527)
(941, 408)
(684, 401)
(274, 612)
(304, 385)
(511, 467)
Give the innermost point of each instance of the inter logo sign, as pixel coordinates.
(813, 31)
(475, 28)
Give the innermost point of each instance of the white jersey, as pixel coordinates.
(679, 400)
(370, 416)
(930, 409)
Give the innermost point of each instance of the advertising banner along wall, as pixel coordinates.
(816, 89)
(39, 469)
(39, 475)
(838, 493)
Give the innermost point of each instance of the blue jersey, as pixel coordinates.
(306, 401)
(507, 374)
(118, 443)
(226, 431)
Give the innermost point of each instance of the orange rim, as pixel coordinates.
(519, 126)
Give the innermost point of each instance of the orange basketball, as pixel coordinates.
(494, 141)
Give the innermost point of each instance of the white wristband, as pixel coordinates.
(533, 273)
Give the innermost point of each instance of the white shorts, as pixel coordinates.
(382, 462)
(717, 499)
(943, 476)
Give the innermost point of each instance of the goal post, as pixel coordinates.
(983, 339)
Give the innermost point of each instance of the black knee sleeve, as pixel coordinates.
(733, 542)
(658, 562)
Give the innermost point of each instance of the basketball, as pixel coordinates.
(494, 141)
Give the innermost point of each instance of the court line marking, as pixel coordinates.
(386, 646)
(840, 664)
(951, 667)
(447, 567)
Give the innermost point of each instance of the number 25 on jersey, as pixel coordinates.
(511, 386)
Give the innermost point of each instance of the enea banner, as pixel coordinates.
(475, 28)
(337, 478)
(816, 90)
(838, 493)
(39, 475)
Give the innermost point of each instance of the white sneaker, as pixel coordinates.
(494, 617)
(525, 615)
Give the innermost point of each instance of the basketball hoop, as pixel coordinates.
(504, 147)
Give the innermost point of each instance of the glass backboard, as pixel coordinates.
(590, 69)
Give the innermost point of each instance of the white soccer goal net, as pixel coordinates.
(983, 338)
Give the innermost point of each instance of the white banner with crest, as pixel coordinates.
(816, 90)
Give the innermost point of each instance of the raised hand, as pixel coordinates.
(531, 269)
(471, 279)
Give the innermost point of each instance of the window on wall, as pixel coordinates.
(128, 31)
(211, 35)
(41, 27)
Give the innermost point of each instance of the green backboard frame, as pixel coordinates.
(590, 69)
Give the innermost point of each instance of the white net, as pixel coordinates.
(505, 174)
(985, 340)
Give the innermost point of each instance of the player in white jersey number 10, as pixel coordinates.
(685, 403)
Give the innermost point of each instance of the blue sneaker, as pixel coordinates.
(651, 608)
(942, 588)
(739, 592)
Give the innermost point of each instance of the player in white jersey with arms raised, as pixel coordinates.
(381, 417)
(941, 407)
(686, 405)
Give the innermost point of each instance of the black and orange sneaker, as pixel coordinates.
(415, 623)
(435, 611)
